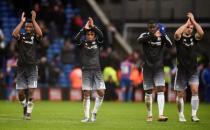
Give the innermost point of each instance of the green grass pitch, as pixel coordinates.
(112, 116)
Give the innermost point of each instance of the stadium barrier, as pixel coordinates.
(75, 95)
(72, 94)
(55, 94)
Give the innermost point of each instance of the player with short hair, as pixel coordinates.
(153, 42)
(186, 43)
(27, 71)
(91, 71)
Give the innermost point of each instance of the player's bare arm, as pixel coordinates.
(181, 29)
(37, 29)
(90, 22)
(16, 31)
(199, 31)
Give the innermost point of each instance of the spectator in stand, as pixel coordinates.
(3, 85)
(54, 71)
(68, 53)
(137, 59)
(10, 76)
(75, 76)
(110, 94)
(58, 17)
(43, 72)
(110, 71)
(125, 81)
(111, 82)
(111, 30)
(2, 48)
(136, 78)
(206, 82)
(45, 43)
(77, 23)
(109, 57)
(37, 8)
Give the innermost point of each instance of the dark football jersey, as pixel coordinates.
(27, 49)
(186, 53)
(153, 48)
(90, 51)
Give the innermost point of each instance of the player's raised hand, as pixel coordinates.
(191, 16)
(33, 15)
(87, 25)
(91, 23)
(23, 18)
(162, 29)
(188, 22)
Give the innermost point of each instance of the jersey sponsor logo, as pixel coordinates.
(27, 41)
(188, 43)
(92, 46)
(157, 43)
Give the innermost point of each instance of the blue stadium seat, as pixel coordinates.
(9, 20)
